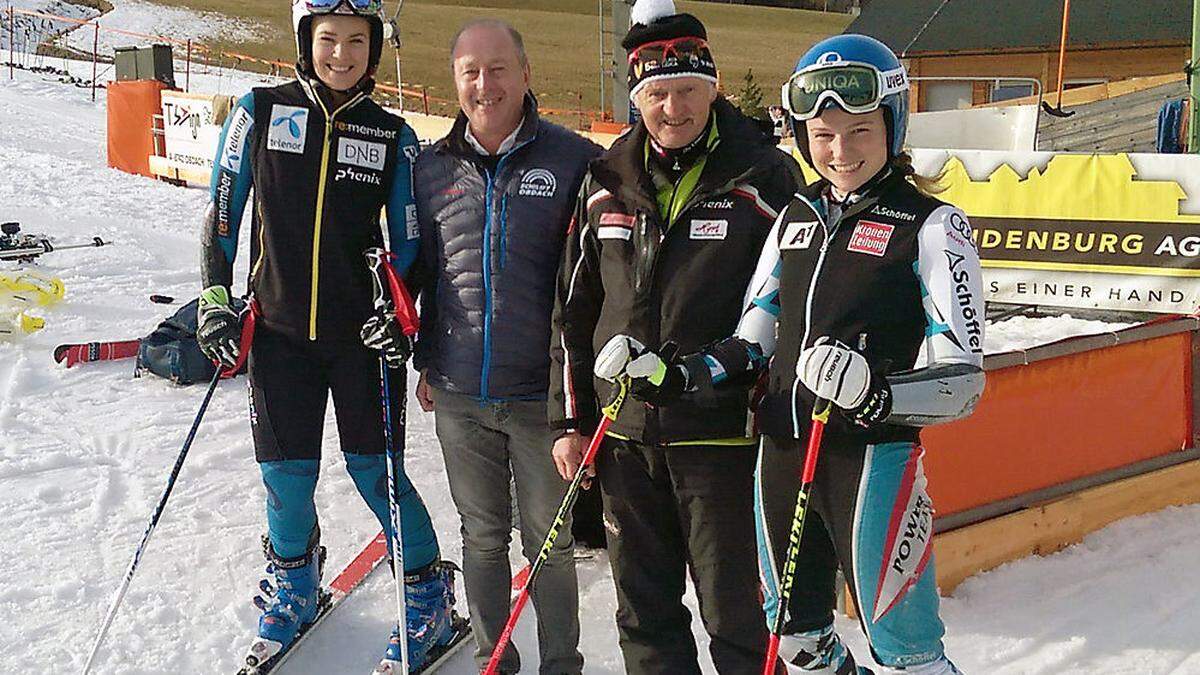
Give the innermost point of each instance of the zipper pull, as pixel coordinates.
(862, 342)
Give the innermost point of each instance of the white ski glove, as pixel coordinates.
(835, 372)
(614, 358)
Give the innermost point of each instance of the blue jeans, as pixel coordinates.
(487, 446)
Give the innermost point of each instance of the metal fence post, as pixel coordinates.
(12, 40)
(95, 59)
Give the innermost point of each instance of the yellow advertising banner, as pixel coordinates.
(1118, 232)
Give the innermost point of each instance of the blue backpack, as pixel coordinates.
(172, 351)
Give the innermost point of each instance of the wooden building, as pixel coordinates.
(1011, 46)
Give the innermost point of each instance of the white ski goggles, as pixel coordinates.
(856, 88)
(362, 7)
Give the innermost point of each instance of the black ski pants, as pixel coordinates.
(290, 383)
(671, 511)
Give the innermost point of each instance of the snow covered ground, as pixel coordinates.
(1023, 332)
(134, 16)
(84, 454)
(177, 23)
(28, 30)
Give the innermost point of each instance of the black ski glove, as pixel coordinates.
(658, 379)
(219, 329)
(382, 331)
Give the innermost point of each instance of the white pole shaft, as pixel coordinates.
(394, 513)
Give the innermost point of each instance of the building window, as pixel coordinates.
(946, 95)
(1004, 90)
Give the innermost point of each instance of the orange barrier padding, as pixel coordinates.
(1062, 419)
(132, 106)
(601, 127)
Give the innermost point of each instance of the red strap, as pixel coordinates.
(406, 309)
(248, 325)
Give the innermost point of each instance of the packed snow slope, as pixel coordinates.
(84, 455)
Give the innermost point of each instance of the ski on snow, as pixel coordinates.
(86, 352)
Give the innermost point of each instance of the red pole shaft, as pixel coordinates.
(568, 499)
(12, 40)
(816, 431)
(187, 73)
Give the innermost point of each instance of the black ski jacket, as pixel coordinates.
(891, 274)
(626, 271)
(320, 180)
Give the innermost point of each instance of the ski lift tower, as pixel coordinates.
(1194, 81)
(614, 23)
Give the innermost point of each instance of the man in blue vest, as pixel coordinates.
(494, 204)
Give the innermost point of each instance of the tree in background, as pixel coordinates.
(750, 98)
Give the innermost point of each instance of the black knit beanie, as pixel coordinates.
(655, 20)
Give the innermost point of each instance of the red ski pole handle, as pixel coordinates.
(406, 309)
(389, 285)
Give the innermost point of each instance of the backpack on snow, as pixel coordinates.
(172, 351)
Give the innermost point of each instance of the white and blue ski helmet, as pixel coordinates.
(858, 74)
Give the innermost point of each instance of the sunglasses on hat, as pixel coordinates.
(659, 52)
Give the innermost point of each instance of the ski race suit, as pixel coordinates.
(320, 177)
(893, 274)
(663, 262)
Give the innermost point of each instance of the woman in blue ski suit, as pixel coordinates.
(323, 160)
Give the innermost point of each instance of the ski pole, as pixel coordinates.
(247, 338)
(820, 415)
(610, 412)
(387, 283)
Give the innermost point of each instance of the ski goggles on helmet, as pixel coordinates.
(856, 88)
(363, 7)
(683, 49)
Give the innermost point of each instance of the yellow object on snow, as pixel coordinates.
(30, 288)
(15, 323)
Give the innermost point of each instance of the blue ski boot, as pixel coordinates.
(291, 603)
(429, 618)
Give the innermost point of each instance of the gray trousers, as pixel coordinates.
(486, 446)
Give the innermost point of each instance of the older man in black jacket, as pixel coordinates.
(494, 200)
(668, 228)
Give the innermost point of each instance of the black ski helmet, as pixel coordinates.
(303, 12)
